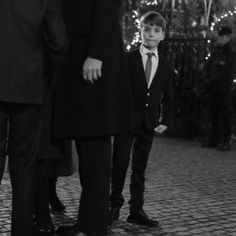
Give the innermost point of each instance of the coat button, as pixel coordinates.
(146, 104)
(148, 94)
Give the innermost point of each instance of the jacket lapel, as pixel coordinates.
(139, 67)
(159, 72)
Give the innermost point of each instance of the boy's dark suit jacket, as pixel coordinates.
(152, 105)
(23, 25)
(83, 109)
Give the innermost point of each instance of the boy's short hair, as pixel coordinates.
(153, 18)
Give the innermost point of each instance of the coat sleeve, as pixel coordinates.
(55, 37)
(105, 24)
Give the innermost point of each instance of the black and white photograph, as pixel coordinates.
(117, 117)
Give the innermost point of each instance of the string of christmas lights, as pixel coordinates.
(136, 38)
(149, 3)
(230, 13)
(218, 21)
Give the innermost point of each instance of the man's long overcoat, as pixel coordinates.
(83, 109)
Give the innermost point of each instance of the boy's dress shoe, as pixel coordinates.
(225, 146)
(70, 231)
(114, 214)
(140, 218)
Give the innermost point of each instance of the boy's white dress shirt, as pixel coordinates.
(155, 60)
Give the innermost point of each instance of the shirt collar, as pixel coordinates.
(143, 51)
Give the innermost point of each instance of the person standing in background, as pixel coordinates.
(220, 69)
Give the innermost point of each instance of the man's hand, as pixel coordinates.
(92, 70)
(160, 129)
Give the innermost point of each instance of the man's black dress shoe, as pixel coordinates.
(225, 146)
(70, 231)
(114, 214)
(140, 218)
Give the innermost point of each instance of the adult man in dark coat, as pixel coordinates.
(24, 24)
(88, 101)
(220, 69)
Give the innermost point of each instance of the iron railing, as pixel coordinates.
(188, 57)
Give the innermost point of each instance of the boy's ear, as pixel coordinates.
(163, 35)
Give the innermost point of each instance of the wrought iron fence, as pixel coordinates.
(188, 57)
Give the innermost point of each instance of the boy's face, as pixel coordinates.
(151, 35)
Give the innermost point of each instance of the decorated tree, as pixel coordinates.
(184, 17)
(187, 46)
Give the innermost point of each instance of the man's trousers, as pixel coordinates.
(22, 122)
(94, 171)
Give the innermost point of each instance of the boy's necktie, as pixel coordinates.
(148, 67)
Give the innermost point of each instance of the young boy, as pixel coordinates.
(151, 85)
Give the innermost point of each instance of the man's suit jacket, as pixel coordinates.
(24, 25)
(152, 105)
(83, 109)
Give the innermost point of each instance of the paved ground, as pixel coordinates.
(190, 190)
